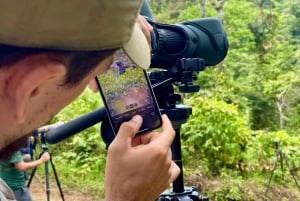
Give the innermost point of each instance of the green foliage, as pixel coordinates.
(292, 122)
(261, 153)
(230, 190)
(216, 132)
(236, 115)
(81, 158)
(167, 11)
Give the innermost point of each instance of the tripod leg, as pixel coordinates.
(47, 181)
(281, 165)
(291, 172)
(179, 116)
(31, 177)
(178, 184)
(57, 180)
(270, 179)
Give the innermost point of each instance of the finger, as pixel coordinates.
(128, 130)
(145, 138)
(170, 176)
(93, 85)
(146, 32)
(142, 21)
(167, 135)
(174, 172)
(46, 155)
(147, 24)
(145, 27)
(170, 154)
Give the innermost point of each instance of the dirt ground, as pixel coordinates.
(251, 190)
(278, 193)
(39, 193)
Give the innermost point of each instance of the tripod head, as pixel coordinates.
(39, 135)
(181, 74)
(276, 144)
(276, 147)
(39, 138)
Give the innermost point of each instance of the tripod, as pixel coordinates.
(45, 149)
(161, 81)
(280, 156)
(178, 114)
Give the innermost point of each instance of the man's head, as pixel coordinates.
(49, 52)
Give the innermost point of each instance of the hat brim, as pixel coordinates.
(137, 48)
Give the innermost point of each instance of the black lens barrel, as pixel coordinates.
(202, 38)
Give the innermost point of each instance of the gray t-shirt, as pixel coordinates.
(6, 194)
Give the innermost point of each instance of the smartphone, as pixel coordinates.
(126, 91)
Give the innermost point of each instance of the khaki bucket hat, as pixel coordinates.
(85, 25)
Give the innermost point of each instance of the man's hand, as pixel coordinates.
(140, 167)
(24, 166)
(145, 27)
(45, 157)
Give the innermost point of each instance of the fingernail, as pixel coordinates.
(136, 118)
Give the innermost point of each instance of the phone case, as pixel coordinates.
(126, 91)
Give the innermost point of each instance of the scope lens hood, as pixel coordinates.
(212, 40)
(201, 38)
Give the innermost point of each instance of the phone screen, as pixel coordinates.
(126, 91)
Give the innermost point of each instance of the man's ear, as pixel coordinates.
(27, 77)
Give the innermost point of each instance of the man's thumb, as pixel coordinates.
(129, 129)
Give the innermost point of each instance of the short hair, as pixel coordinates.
(78, 63)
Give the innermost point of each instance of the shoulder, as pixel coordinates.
(6, 193)
(17, 157)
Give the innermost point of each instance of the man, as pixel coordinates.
(50, 50)
(14, 173)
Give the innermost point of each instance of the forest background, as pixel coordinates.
(246, 103)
